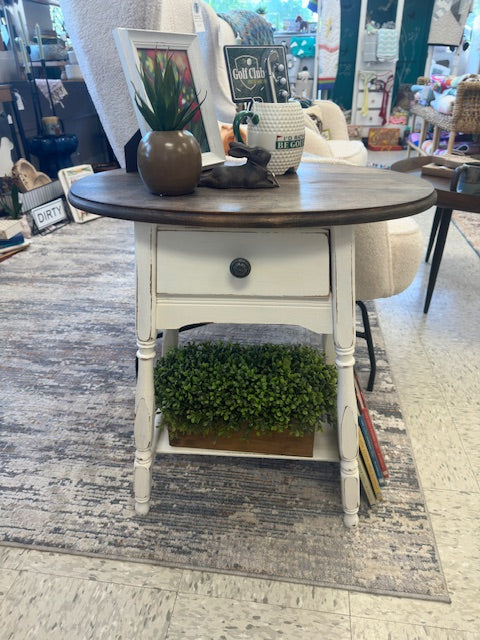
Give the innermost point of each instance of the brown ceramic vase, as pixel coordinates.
(169, 162)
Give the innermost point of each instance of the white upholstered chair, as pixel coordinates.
(326, 118)
(388, 253)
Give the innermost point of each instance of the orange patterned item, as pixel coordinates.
(384, 139)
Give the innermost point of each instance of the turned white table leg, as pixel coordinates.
(145, 244)
(343, 285)
(144, 426)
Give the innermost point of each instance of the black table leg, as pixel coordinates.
(433, 232)
(446, 216)
(366, 334)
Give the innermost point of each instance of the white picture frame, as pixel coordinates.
(134, 44)
(67, 177)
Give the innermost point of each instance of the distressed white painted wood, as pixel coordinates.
(343, 285)
(146, 254)
(325, 447)
(178, 311)
(284, 262)
(311, 285)
(165, 263)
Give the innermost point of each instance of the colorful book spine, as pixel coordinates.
(365, 482)
(363, 409)
(369, 466)
(371, 450)
(4, 255)
(12, 242)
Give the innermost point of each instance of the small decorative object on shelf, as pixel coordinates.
(42, 209)
(301, 25)
(27, 176)
(234, 396)
(251, 175)
(67, 177)
(278, 127)
(53, 152)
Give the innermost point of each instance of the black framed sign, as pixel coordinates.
(257, 73)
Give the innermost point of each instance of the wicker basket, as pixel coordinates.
(466, 111)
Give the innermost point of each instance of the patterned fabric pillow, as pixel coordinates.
(249, 26)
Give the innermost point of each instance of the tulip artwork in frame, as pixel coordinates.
(138, 48)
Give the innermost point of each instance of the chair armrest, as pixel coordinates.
(331, 117)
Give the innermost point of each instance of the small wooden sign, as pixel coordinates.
(257, 73)
(48, 216)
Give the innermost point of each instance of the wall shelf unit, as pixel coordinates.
(374, 78)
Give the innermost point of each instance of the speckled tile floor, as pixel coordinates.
(435, 361)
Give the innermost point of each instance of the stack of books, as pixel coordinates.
(371, 462)
(11, 238)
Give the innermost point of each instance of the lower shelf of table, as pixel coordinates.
(325, 448)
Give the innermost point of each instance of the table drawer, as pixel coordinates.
(282, 263)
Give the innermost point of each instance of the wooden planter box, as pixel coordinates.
(280, 444)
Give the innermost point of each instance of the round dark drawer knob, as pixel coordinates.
(240, 268)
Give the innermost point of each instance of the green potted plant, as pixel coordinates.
(10, 197)
(268, 398)
(169, 157)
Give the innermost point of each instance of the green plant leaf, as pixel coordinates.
(227, 387)
(162, 109)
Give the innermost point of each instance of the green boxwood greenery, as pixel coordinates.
(220, 388)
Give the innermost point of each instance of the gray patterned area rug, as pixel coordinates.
(66, 446)
(469, 226)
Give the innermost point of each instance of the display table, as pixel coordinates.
(447, 202)
(299, 242)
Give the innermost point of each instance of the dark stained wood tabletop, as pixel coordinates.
(317, 195)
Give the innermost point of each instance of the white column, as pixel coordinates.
(145, 249)
(343, 288)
